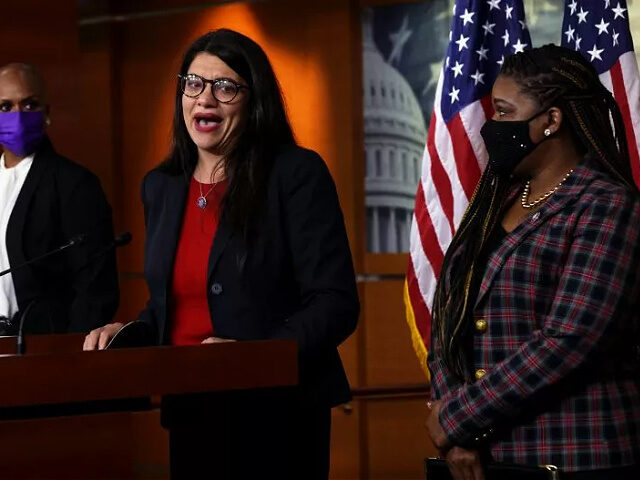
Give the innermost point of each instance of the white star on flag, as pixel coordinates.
(573, 6)
(523, 24)
(462, 42)
(454, 94)
(488, 28)
(508, 11)
(477, 77)
(457, 69)
(618, 11)
(595, 53)
(505, 37)
(615, 62)
(578, 40)
(582, 16)
(494, 4)
(501, 61)
(602, 27)
(569, 33)
(467, 17)
(482, 53)
(519, 47)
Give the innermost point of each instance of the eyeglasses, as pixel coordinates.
(223, 89)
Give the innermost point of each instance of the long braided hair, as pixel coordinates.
(552, 76)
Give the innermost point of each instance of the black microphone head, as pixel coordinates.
(123, 239)
(77, 239)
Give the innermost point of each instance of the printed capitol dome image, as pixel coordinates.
(394, 136)
(402, 50)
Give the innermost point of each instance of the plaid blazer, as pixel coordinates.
(555, 359)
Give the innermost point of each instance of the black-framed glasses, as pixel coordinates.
(223, 89)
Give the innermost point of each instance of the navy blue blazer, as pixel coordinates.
(292, 277)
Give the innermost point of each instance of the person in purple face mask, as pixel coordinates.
(45, 200)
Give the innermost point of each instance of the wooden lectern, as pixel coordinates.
(121, 444)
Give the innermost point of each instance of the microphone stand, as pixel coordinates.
(21, 345)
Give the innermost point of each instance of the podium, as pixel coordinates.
(118, 444)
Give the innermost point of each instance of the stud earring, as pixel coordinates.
(48, 121)
(547, 132)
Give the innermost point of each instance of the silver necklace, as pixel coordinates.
(201, 201)
(524, 198)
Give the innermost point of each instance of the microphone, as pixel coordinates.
(72, 242)
(119, 241)
(123, 239)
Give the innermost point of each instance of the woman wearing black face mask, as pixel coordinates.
(534, 356)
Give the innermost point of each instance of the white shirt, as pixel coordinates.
(11, 181)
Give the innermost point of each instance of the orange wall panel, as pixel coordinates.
(345, 442)
(45, 34)
(390, 359)
(397, 440)
(133, 295)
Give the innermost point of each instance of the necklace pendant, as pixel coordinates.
(201, 202)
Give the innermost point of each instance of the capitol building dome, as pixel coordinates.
(394, 139)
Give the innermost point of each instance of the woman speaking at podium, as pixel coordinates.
(245, 240)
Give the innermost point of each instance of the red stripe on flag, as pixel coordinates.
(420, 310)
(468, 169)
(428, 237)
(439, 176)
(620, 93)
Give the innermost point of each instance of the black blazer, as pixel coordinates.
(74, 291)
(292, 278)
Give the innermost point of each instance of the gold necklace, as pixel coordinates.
(524, 198)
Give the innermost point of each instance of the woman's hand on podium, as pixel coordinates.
(217, 340)
(99, 338)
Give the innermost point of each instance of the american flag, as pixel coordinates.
(600, 31)
(483, 32)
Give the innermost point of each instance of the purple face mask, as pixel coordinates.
(20, 132)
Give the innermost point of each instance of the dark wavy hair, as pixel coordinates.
(248, 163)
(551, 76)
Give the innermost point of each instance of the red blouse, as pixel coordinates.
(191, 318)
